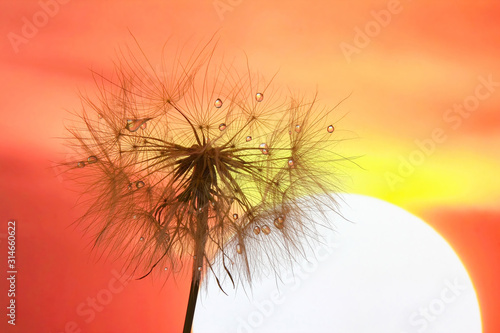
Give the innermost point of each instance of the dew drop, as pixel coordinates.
(330, 129)
(99, 115)
(218, 103)
(222, 127)
(91, 159)
(80, 164)
(290, 163)
(141, 239)
(239, 249)
(297, 128)
(259, 97)
(134, 124)
(256, 230)
(278, 222)
(134, 217)
(139, 184)
(249, 138)
(235, 216)
(129, 187)
(199, 268)
(266, 230)
(263, 148)
(165, 269)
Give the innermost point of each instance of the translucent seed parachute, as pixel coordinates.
(201, 167)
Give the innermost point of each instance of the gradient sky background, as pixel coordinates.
(404, 80)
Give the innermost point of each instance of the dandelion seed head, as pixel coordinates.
(209, 195)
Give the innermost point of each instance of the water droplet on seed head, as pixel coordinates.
(278, 222)
(259, 97)
(330, 129)
(218, 103)
(256, 230)
(266, 230)
(133, 125)
(263, 148)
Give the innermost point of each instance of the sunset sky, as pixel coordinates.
(422, 121)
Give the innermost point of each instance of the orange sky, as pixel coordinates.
(405, 79)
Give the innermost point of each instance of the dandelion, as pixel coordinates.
(201, 168)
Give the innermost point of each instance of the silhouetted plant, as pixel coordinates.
(198, 165)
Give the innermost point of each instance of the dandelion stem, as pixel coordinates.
(201, 221)
(193, 295)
